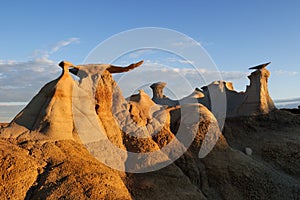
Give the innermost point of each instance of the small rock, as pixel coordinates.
(248, 151)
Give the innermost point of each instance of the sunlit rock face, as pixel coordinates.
(257, 99)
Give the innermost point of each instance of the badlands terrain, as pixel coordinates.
(50, 149)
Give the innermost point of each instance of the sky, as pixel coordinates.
(36, 35)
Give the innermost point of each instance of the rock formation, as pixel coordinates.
(261, 66)
(49, 112)
(160, 98)
(256, 98)
(44, 150)
(96, 99)
(158, 95)
(254, 101)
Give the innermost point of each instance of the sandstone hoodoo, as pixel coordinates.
(158, 95)
(81, 139)
(49, 113)
(257, 99)
(160, 98)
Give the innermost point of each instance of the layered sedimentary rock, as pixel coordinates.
(257, 99)
(43, 159)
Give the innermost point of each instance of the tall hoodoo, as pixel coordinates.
(157, 89)
(49, 113)
(158, 95)
(257, 99)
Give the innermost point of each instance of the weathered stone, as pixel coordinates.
(256, 98)
(159, 97)
(248, 151)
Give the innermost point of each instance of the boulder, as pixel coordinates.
(248, 151)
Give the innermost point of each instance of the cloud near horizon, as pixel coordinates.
(287, 103)
(285, 72)
(21, 80)
(180, 81)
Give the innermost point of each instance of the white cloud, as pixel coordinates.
(186, 62)
(44, 54)
(180, 81)
(287, 100)
(21, 80)
(63, 43)
(175, 60)
(13, 103)
(185, 42)
(285, 73)
(138, 53)
(287, 103)
(206, 44)
(7, 62)
(188, 42)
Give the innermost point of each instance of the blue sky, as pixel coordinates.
(36, 35)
